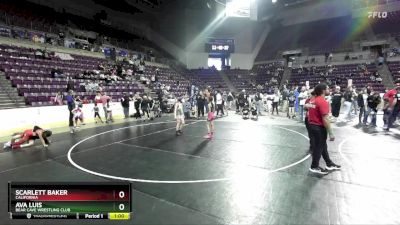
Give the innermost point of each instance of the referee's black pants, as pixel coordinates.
(319, 136)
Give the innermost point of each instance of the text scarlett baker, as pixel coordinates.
(41, 192)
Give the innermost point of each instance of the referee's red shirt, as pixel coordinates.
(318, 111)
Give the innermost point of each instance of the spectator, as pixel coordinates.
(141, 67)
(187, 108)
(218, 101)
(91, 86)
(129, 72)
(114, 78)
(347, 57)
(57, 73)
(71, 107)
(97, 98)
(39, 54)
(125, 105)
(258, 99)
(82, 85)
(200, 100)
(302, 99)
(138, 102)
(275, 102)
(108, 79)
(85, 100)
(104, 99)
(58, 99)
(70, 84)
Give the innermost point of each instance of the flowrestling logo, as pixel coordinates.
(379, 15)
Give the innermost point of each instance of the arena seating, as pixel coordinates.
(265, 72)
(394, 68)
(340, 74)
(242, 79)
(207, 77)
(254, 80)
(167, 77)
(33, 79)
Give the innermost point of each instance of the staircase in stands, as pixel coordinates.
(387, 78)
(287, 75)
(9, 97)
(227, 81)
(147, 90)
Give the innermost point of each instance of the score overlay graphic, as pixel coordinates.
(35, 200)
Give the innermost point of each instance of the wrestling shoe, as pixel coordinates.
(333, 166)
(319, 170)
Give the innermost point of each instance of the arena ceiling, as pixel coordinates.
(209, 3)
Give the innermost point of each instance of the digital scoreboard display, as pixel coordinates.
(91, 201)
(214, 45)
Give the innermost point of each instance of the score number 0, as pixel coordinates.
(121, 206)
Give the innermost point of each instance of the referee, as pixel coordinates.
(320, 127)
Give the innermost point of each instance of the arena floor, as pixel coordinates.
(252, 172)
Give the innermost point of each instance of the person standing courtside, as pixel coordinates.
(372, 102)
(336, 102)
(71, 106)
(361, 100)
(348, 99)
(391, 107)
(104, 98)
(320, 128)
(307, 106)
(258, 100)
(125, 105)
(302, 99)
(137, 103)
(200, 105)
(219, 102)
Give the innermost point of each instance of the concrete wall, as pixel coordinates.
(394, 6)
(243, 61)
(329, 9)
(48, 117)
(317, 11)
(196, 60)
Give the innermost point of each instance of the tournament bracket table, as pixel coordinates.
(34, 200)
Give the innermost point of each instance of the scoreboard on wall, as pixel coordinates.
(214, 45)
(93, 201)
